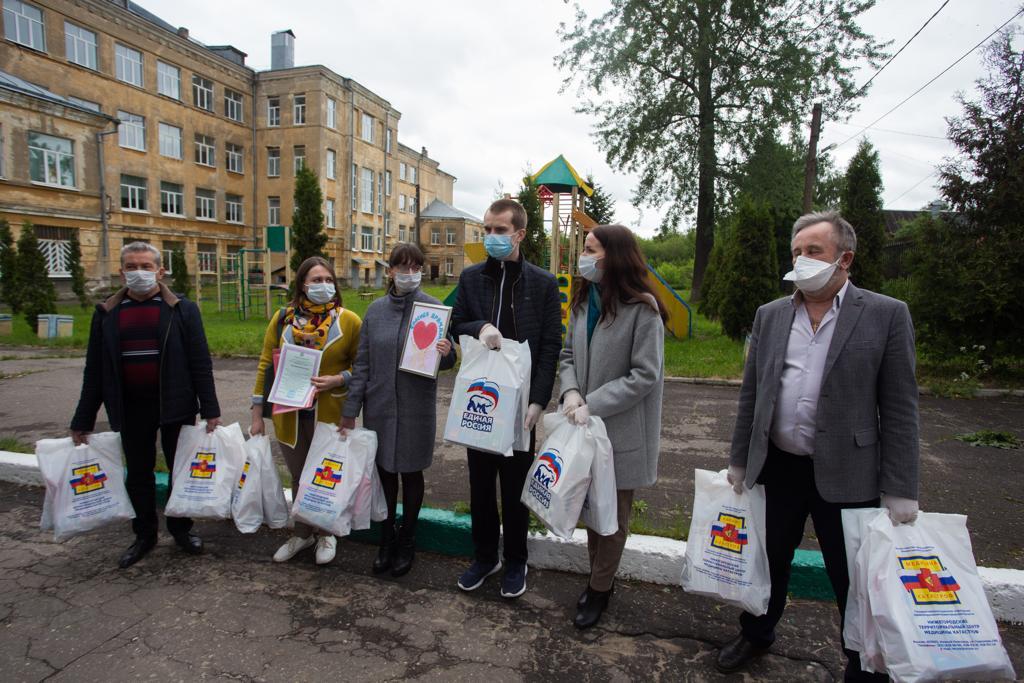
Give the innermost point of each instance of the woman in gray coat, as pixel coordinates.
(399, 406)
(613, 367)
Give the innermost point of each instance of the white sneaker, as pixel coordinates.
(294, 545)
(325, 546)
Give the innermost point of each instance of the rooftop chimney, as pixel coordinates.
(423, 152)
(282, 50)
(183, 32)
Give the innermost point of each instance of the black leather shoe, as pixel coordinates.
(736, 654)
(586, 593)
(405, 552)
(136, 551)
(190, 543)
(592, 609)
(386, 553)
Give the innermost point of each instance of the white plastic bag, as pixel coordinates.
(860, 633)
(488, 400)
(275, 507)
(331, 477)
(726, 556)
(84, 484)
(600, 511)
(206, 471)
(934, 621)
(247, 497)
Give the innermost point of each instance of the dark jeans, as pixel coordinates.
(791, 496)
(483, 503)
(138, 439)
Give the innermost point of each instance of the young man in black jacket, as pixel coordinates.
(148, 364)
(507, 297)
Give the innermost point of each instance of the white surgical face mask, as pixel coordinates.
(140, 281)
(320, 292)
(588, 268)
(407, 282)
(810, 274)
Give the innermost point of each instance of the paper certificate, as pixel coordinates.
(428, 324)
(292, 385)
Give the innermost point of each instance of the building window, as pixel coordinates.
(235, 161)
(233, 208)
(401, 170)
(367, 191)
(353, 242)
(170, 141)
(401, 202)
(131, 133)
(411, 204)
(206, 150)
(51, 160)
(329, 212)
(202, 92)
(79, 45)
(387, 182)
(133, 193)
(380, 194)
(55, 246)
(299, 152)
(206, 204)
(128, 65)
(387, 141)
(168, 80)
(380, 240)
(367, 238)
(23, 24)
(206, 256)
(170, 248)
(172, 199)
(387, 223)
(232, 105)
(366, 129)
(355, 194)
(273, 111)
(412, 175)
(332, 113)
(451, 236)
(332, 158)
(401, 233)
(435, 236)
(273, 211)
(449, 265)
(273, 162)
(299, 110)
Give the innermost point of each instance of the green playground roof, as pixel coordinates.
(558, 175)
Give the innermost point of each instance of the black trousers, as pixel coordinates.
(483, 503)
(138, 439)
(791, 496)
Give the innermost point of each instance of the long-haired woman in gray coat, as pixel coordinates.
(399, 406)
(612, 367)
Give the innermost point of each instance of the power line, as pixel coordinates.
(890, 130)
(911, 188)
(935, 78)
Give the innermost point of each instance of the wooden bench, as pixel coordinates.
(370, 296)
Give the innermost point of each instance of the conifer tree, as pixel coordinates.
(749, 276)
(77, 271)
(862, 207)
(533, 245)
(308, 236)
(37, 293)
(180, 281)
(8, 268)
(600, 206)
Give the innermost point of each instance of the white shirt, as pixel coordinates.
(796, 407)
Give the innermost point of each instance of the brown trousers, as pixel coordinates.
(295, 459)
(606, 551)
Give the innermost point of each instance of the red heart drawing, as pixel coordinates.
(424, 334)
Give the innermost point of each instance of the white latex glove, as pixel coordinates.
(735, 476)
(581, 414)
(490, 336)
(901, 510)
(570, 402)
(532, 415)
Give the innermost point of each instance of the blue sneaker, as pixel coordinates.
(513, 583)
(477, 573)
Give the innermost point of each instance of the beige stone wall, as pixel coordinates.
(437, 255)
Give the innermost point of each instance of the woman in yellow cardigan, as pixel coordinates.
(315, 318)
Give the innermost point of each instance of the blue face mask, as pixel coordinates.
(498, 246)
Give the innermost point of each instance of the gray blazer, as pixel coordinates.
(867, 423)
(621, 374)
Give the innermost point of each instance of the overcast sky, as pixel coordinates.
(476, 85)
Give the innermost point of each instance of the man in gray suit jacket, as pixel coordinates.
(827, 418)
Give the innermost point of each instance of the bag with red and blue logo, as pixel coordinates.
(207, 467)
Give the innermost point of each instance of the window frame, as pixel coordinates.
(122, 58)
(236, 153)
(299, 109)
(12, 29)
(205, 147)
(233, 105)
(329, 216)
(207, 199)
(77, 42)
(52, 159)
(131, 129)
(180, 201)
(233, 204)
(366, 126)
(331, 163)
(202, 92)
(273, 162)
(366, 238)
(161, 138)
(332, 113)
(366, 190)
(167, 74)
(298, 160)
(274, 111)
(272, 210)
(137, 194)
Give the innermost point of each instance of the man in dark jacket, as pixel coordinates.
(148, 364)
(507, 297)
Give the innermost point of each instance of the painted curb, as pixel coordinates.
(651, 559)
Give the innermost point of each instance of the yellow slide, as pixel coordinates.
(680, 319)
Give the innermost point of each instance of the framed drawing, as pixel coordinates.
(428, 325)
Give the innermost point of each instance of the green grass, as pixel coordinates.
(15, 445)
(709, 353)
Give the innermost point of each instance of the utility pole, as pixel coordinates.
(811, 168)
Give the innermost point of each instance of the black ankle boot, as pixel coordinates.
(405, 552)
(386, 554)
(592, 608)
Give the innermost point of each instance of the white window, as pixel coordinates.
(329, 212)
(367, 191)
(435, 236)
(366, 129)
(273, 163)
(233, 208)
(206, 204)
(169, 250)
(132, 131)
(79, 45)
(412, 204)
(55, 246)
(451, 236)
(51, 160)
(273, 111)
(172, 199)
(299, 153)
(332, 158)
(232, 105)
(412, 175)
(235, 161)
(273, 211)
(380, 194)
(449, 265)
(133, 193)
(353, 242)
(387, 223)
(401, 233)
(387, 182)
(401, 170)
(23, 24)
(299, 110)
(206, 150)
(355, 193)
(387, 141)
(168, 80)
(206, 256)
(380, 240)
(202, 92)
(332, 113)
(170, 141)
(128, 64)
(367, 238)
(401, 202)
